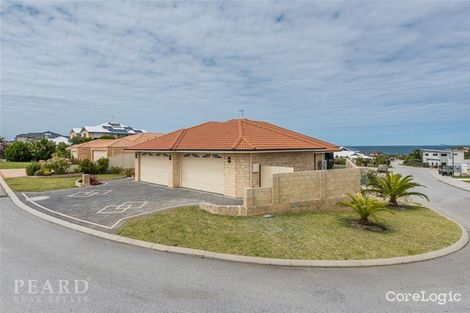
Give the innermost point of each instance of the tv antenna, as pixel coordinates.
(242, 112)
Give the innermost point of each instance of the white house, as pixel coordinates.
(436, 157)
(351, 154)
(114, 129)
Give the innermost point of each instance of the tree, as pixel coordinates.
(62, 152)
(78, 140)
(18, 152)
(365, 207)
(42, 149)
(393, 186)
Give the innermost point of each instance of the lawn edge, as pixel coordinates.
(459, 244)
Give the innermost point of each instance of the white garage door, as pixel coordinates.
(155, 169)
(98, 154)
(203, 173)
(268, 171)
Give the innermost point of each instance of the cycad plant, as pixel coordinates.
(367, 208)
(394, 186)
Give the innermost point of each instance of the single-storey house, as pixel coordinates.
(227, 157)
(113, 149)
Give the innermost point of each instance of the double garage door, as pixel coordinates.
(197, 172)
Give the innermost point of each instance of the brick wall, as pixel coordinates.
(175, 170)
(83, 153)
(303, 191)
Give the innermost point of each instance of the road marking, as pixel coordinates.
(87, 194)
(38, 198)
(120, 208)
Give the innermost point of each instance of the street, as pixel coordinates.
(123, 278)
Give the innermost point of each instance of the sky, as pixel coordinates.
(364, 73)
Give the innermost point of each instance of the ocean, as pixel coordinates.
(398, 149)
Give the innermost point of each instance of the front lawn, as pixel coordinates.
(10, 165)
(311, 235)
(44, 183)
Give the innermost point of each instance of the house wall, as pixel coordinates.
(239, 173)
(83, 153)
(238, 168)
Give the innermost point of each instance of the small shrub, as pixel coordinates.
(115, 170)
(32, 168)
(18, 152)
(94, 181)
(130, 172)
(39, 172)
(102, 165)
(87, 167)
(58, 165)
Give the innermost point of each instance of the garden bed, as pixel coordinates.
(331, 235)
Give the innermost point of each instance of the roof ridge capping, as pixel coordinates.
(288, 132)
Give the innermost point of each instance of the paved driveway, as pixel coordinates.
(108, 206)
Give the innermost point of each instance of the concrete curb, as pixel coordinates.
(246, 259)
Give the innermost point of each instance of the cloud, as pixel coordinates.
(351, 73)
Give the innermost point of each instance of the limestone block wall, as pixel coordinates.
(303, 191)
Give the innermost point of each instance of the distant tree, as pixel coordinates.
(42, 149)
(62, 152)
(18, 152)
(108, 137)
(78, 140)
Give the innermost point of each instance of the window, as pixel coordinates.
(434, 154)
(426, 154)
(443, 154)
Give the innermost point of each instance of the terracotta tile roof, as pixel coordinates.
(98, 143)
(128, 141)
(234, 135)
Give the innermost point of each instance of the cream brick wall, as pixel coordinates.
(175, 170)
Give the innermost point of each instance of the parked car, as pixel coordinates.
(446, 171)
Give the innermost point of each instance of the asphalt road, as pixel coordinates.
(122, 278)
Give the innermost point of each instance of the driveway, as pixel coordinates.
(109, 206)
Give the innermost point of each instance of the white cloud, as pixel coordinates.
(349, 73)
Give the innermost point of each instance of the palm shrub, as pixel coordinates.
(365, 207)
(394, 186)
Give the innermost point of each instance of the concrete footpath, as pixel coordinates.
(451, 181)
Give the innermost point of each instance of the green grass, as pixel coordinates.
(312, 235)
(41, 183)
(10, 165)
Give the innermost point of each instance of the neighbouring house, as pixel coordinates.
(228, 157)
(51, 136)
(113, 129)
(112, 149)
(436, 157)
(351, 154)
